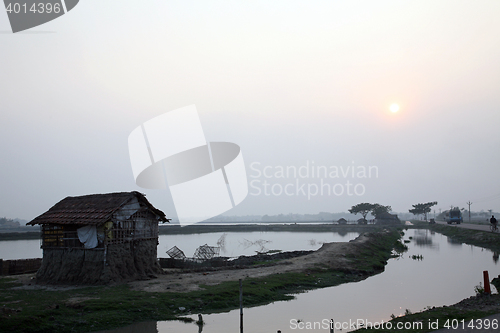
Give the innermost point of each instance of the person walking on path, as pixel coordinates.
(493, 222)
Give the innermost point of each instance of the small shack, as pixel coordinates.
(99, 238)
(387, 219)
(362, 221)
(342, 221)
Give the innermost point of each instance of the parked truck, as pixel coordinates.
(455, 216)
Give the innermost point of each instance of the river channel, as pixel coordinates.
(435, 271)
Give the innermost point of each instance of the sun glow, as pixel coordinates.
(394, 108)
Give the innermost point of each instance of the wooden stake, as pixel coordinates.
(241, 307)
(487, 289)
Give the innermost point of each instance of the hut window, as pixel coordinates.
(52, 236)
(59, 236)
(141, 225)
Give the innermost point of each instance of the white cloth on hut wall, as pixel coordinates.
(88, 236)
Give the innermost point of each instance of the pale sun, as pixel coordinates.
(394, 108)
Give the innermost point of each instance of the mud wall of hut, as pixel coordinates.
(132, 260)
(116, 263)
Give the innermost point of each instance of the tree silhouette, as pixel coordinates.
(422, 208)
(362, 208)
(378, 210)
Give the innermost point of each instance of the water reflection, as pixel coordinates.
(454, 242)
(423, 238)
(343, 233)
(200, 323)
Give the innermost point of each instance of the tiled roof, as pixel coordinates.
(92, 209)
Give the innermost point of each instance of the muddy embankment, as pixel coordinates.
(364, 256)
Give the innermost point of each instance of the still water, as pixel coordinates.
(232, 244)
(20, 249)
(447, 274)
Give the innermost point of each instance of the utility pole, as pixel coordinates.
(469, 203)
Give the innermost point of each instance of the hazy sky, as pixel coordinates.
(294, 83)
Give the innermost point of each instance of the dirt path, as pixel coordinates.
(332, 255)
(481, 227)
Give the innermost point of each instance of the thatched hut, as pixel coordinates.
(387, 219)
(342, 221)
(362, 221)
(99, 238)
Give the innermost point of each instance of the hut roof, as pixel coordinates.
(92, 209)
(387, 216)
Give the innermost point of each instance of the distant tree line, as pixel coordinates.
(4, 220)
(10, 223)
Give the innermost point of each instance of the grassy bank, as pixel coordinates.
(101, 307)
(484, 239)
(466, 313)
(97, 308)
